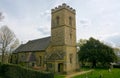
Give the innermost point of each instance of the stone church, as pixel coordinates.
(57, 53)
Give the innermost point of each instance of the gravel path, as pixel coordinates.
(78, 73)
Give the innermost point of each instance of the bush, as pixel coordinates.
(15, 71)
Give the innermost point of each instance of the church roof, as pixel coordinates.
(34, 45)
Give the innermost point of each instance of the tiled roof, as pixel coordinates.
(34, 45)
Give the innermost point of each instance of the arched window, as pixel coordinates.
(70, 33)
(57, 20)
(70, 57)
(70, 21)
(40, 60)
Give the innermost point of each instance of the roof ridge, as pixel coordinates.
(38, 39)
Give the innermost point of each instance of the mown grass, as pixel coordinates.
(85, 68)
(59, 76)
(101, 73)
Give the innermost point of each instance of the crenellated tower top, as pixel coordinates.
(63, 6)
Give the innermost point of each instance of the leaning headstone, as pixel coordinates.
(109, 70)
(101, 75)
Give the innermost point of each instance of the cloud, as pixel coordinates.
(27, 28)
(84, 23)
(32, 19)
(114, 39)
(43, 31)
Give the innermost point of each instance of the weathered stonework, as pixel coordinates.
(63, 6)
(63, 38)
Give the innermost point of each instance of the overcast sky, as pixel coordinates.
(31, 19)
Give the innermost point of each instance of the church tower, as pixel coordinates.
(63, 38)
(63, 28)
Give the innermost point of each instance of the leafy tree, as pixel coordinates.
(80, 43)
(94, 51)
(8, 41)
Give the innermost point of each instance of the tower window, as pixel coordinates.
(70, 57)
(40, 60)
(70, 33)
(70, 20)
(57, 20)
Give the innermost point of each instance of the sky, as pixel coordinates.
(31, 19)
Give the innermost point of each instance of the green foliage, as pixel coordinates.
(15, 71)
(81, 42)
(94, 51)
(101, 73)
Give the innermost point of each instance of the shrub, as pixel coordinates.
(15, 71)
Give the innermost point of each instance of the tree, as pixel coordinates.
(1, 16)
(81, 42)
(94, 51)
(8, 41)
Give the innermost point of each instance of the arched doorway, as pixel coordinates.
(60, 67)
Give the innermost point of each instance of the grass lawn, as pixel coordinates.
(59, 76)
(104, 73)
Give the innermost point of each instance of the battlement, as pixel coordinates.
(63, 6)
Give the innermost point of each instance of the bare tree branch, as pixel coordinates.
(8, 41)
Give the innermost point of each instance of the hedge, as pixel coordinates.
(15, 71)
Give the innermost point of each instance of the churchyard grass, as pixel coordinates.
(58, 76)
(101, 73)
